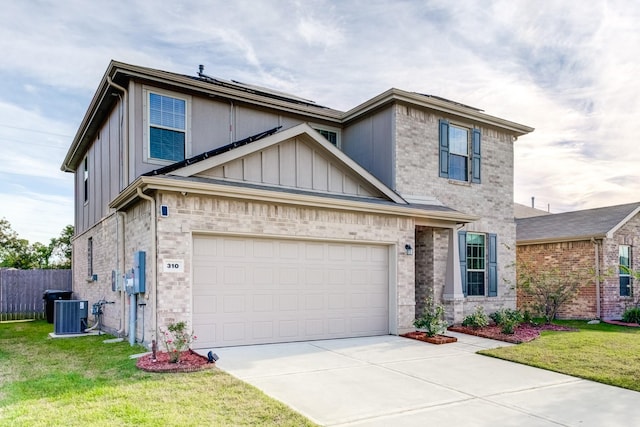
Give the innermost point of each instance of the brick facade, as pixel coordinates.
(200, 214)
(580, 257)
(417, 136)
(575, 259)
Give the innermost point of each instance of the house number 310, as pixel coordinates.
(173, 266)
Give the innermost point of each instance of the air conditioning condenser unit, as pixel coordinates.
(70, 316)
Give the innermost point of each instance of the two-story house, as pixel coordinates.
(264, 217)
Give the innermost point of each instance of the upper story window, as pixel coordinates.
(167, 118)
(85, 179)
(459, 152)
(330, 134)
(625, 270)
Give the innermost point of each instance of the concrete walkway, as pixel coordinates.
(394, 381)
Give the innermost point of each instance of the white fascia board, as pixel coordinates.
(611, 232)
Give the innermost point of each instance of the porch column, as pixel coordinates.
(453, 295)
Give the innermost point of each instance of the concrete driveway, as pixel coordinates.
(394, 381)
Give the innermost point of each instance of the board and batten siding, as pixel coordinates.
(369, 142)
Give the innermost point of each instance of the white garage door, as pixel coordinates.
(254, 291)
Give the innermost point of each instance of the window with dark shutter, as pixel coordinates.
(459, 154)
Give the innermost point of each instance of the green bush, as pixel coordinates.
(507, 319)
(478, 319)
(631, 315)
(432, 319)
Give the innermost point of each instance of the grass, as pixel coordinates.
(83, 381)
(605, 353)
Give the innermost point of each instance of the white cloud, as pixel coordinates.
(568, 69)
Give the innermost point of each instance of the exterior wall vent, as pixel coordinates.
(70, 317)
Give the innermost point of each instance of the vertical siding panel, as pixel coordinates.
(304, 162)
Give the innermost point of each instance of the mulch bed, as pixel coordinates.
(437, 339)
(621, 323)
(523, 333)
(190, 361)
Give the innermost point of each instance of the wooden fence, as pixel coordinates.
(21, 291)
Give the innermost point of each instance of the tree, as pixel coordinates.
(18, 253)
(548, 288)
(61, 248)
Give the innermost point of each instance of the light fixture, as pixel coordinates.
(212, 357)
(408, 249)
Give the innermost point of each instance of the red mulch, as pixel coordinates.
(523, 333)
(190, 361)
(422, 336)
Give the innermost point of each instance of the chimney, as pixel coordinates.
(533, 204)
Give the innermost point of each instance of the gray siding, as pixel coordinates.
(370, 142)
(213, 123)
(105, 170)
(295, 163)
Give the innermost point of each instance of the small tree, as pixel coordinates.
(549, 288)
(432, 319)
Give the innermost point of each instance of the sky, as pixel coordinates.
(569, 69)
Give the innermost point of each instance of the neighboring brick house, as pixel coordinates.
(594, 240)
(265, 217)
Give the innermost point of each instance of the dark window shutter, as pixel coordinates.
(462, 251)
(475, 159)
(493, 265)
(444, 148)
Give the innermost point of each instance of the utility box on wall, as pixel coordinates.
(138, 272)
(136, 279)
(70, 316)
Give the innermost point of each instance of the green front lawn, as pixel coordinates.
(83, 381)
(605, 353)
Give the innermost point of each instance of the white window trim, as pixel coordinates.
(337, 131)
(146, 90)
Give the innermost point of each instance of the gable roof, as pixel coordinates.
(595, 223)
(303, 131)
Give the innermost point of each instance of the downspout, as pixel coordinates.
(152, 264)
(120, 243)
(597, 259)
(125, 132)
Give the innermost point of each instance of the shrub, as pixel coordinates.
(631, 315)
(478, 319)
(507, 319)
(176, 339)
(549, 288)
(432, 319)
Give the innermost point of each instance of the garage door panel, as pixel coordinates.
(253, 290)
(262, 303)
(233, 332)
(233, 304)
(262, 330)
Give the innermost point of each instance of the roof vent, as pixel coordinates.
(200, 70)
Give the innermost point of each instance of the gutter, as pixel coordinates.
(124, 132)
(433, 103)
(596, 247)
(559, 239)
(236, 192)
